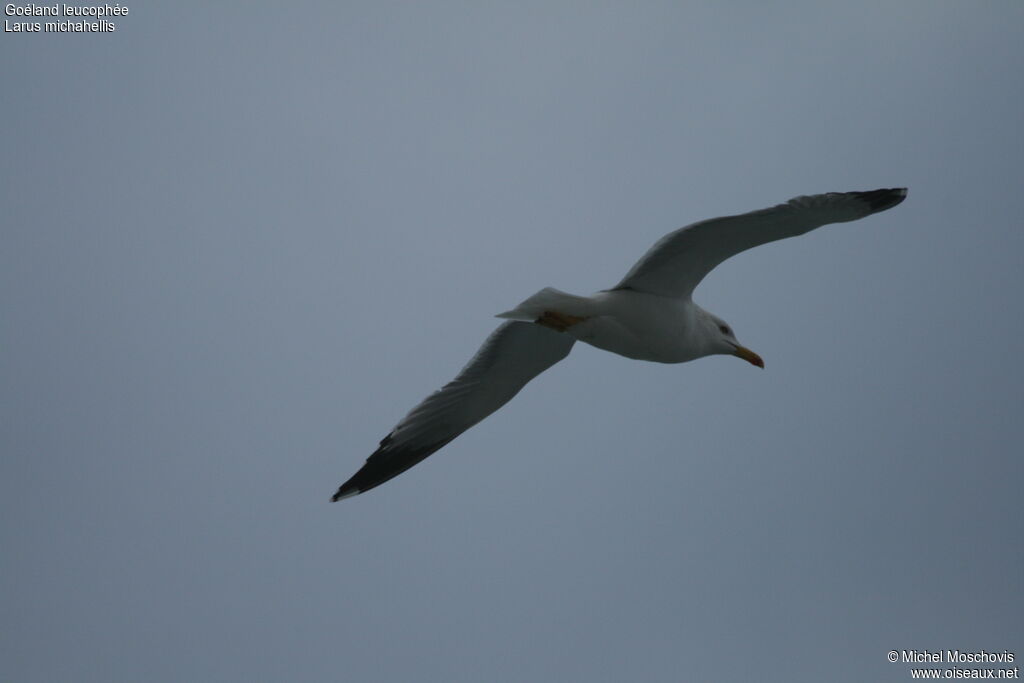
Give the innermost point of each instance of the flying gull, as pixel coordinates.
(649, 316)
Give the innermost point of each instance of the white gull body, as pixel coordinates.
(633, 324)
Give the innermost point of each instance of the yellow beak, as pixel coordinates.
(748, 355)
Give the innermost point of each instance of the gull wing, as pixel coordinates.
(677, 263)
(514, 354)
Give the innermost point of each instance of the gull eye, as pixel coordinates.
(724, 329)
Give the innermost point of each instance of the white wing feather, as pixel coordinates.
(511, 356)
(677, 263)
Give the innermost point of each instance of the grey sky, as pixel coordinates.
(240, 242)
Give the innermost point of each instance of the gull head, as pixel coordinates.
(723, 340)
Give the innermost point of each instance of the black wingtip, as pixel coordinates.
(344, 493)
(387, 462)
(880, 200)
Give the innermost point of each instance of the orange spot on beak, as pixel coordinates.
(749, 356)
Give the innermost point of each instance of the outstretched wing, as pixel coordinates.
(680, 260)
(514, 354)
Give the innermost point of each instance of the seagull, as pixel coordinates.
(649, 315)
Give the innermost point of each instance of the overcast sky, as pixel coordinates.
(241, 240)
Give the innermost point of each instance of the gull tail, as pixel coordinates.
(548, 300)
